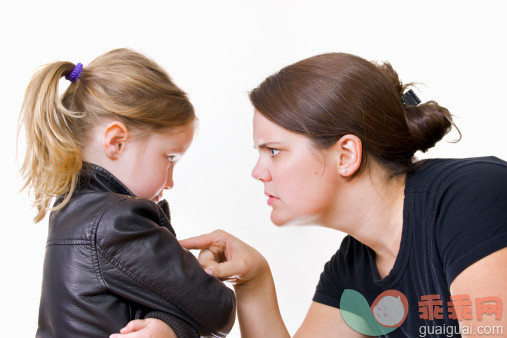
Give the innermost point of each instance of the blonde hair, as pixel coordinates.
(121, 84)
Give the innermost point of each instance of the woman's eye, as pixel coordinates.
(273, 151)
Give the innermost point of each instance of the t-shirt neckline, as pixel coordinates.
(403, 257)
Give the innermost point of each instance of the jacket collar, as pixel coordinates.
(95, 177)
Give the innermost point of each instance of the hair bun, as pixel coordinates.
(427, 124)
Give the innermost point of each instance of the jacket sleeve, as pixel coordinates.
(142, 261)
(180, 327)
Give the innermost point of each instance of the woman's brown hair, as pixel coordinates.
(328, 96)
(122, 84)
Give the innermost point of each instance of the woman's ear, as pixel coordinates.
(115, 137)
(349, 149)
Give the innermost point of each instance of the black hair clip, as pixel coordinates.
(410, 99)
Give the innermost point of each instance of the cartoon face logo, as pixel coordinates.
(386, 314)
(390, 308)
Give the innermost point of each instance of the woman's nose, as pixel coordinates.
(261, 173)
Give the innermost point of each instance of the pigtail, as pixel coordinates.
(121, 85)
(53, 158)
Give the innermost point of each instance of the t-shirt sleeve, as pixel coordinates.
(471, 215)
(330, 286)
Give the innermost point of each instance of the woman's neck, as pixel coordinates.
(371, 210)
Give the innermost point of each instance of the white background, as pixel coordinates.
(217, 51)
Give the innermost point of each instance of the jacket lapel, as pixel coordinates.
(165, 208)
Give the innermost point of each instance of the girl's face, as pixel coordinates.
(300, 181)
(154, 160)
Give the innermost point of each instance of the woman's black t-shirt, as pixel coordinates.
(454, 214)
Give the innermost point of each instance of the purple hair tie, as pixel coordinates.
(76, 73)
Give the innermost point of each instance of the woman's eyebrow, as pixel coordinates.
(264, 145)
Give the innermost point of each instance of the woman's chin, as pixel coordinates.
(278, 220)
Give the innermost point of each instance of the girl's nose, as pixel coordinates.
(261, 173)
(169, 184)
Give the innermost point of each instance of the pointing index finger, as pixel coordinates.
(197, 242)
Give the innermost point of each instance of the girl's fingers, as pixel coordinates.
(134, 325)
(136, 334)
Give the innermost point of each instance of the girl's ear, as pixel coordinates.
(115, 137)
(349, 151)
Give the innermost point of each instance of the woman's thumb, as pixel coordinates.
(223, 270)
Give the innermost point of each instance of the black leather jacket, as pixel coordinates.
(111, 258)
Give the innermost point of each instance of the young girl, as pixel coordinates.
(106, 150)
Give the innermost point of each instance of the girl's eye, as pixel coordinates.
(273, 151)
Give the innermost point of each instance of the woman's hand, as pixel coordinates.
(228, 258)
(144, 328)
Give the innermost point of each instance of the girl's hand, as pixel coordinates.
(143, 328)
(228, 258)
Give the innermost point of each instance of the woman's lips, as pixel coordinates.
(271, 199)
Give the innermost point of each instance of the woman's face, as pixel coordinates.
(299, 180)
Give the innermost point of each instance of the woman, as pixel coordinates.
(336, 136)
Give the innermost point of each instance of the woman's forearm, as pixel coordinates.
(258, 312)
(225, 256)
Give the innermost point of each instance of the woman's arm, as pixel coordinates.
(258, 312)
(320, 321)
(471, 236)
(227, 257)
(485, 278)
(325, 321)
